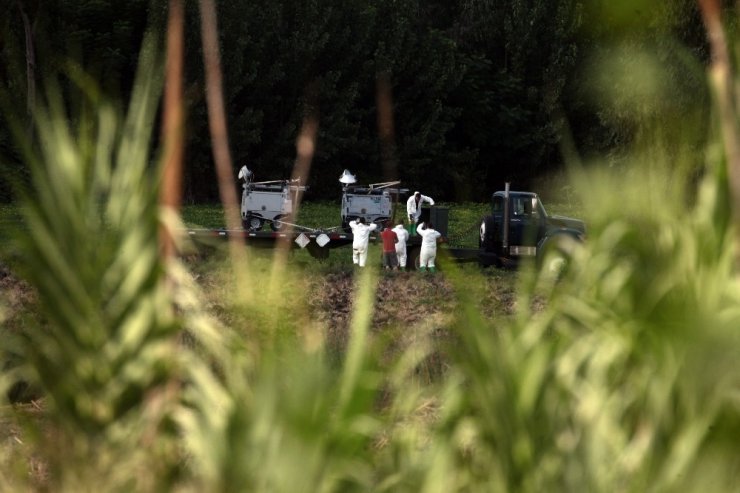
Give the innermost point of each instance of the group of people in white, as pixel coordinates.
(394, 239)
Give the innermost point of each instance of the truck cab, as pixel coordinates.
(520, 227)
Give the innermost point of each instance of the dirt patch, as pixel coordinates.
(16, 295)
(402, 299)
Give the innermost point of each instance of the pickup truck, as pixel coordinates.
(520, 227)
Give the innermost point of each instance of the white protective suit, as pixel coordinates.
(428, 246)
(413, 210)
(360, 241)
(403, 236)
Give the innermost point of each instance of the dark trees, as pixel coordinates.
(282, 57)
(482, 90)
(520, 56)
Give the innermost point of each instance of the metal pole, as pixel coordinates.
(506, 219)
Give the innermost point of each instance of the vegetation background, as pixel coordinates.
(133, 369)
(483, 92)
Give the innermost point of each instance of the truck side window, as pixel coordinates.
(519, 206)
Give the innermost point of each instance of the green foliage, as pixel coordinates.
(287, 417)
(483, 92)
(640, 73)
(620, 374)
(518, 58)
(602, 388)
(103, 355)
(282, 60)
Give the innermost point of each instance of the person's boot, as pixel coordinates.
(422, 269)
(432, 269)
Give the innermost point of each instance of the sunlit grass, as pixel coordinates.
(203, 216)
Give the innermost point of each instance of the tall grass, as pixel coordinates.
(623, 380)
(104, 351)
(619, 375)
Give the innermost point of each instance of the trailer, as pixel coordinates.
(317, 242)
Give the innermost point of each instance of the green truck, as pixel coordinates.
(520, 227)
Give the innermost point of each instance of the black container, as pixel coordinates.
(438, 216)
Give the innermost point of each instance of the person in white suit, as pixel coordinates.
(428, 252)
(403, 236)
(413, 208)
(361, 233)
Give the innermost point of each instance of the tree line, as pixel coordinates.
(482, 91)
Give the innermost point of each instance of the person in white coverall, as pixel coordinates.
(413, 208)
(361, 233)
(403, 235)
(428, 252)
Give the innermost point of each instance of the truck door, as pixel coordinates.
(523, 221)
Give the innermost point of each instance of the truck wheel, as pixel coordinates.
(486, 243)
(252, 223)
(487, 232)
(277, 224)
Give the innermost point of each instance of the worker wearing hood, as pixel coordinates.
(428, 252)
(403, 236)
(361, 232)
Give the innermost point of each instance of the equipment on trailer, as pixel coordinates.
(375, 203)
(518, 226)
(267, 201)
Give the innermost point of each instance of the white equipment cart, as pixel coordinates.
(267, 201)
(374, 203)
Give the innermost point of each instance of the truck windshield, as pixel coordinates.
(521, 205)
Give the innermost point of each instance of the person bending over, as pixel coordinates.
(428, 252)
